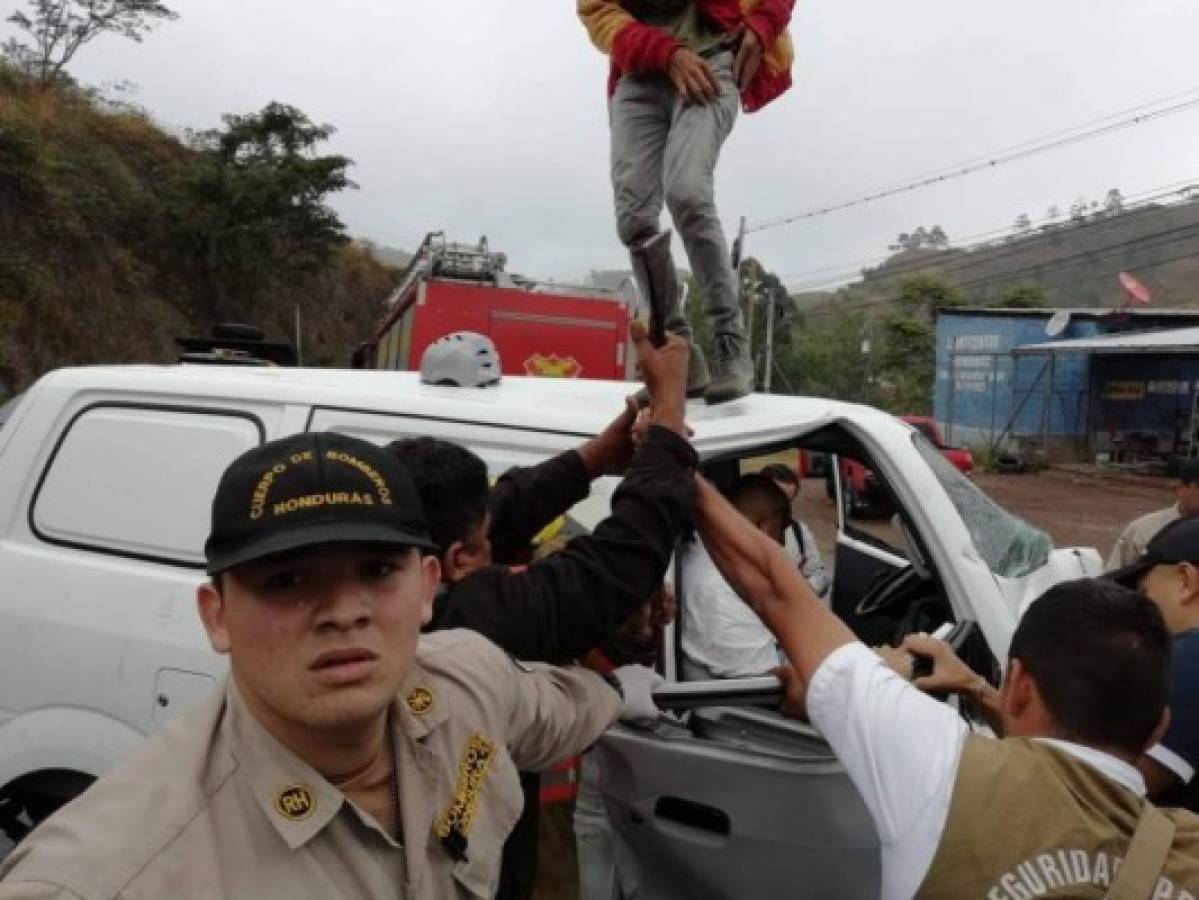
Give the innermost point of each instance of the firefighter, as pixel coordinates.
(347, 755)
(680, 69)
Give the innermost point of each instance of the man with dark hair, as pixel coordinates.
(1135, 538)
(722, 638)
(801, 543)
(1056, 806)
(1168, 574)
(563, 605)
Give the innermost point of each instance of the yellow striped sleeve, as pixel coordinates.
(603, 19)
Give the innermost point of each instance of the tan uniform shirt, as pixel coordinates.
(213, 806)
(1133, 539)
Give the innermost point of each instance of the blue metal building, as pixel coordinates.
(993, 387)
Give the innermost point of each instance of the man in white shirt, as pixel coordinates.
(1053, 806)
(722, 638)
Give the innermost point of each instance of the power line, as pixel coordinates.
(1023, 244)
(1095, 128)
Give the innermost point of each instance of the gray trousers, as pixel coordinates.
(665, 151)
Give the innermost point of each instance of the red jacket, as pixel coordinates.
(635, 47)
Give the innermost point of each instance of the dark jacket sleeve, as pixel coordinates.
(525, 500)
(564, 605)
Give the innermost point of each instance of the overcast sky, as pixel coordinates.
(490, 118)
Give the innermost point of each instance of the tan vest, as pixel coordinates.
(1028, 820)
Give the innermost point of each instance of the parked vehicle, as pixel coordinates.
(862, 492)
(539, 328)
(106, 476)
(961, 457)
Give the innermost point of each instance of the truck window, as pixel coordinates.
(138, 482)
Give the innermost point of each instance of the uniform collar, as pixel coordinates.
(1124, 774)
(295, 798)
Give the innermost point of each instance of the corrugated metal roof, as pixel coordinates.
(1174, 340)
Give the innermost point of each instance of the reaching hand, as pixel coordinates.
(664, 370)
(638, 684)
(749, 58)
(898, 661)
(666, 606)
(949, 675)
(609, 452)
(795, 692)
(692, 77)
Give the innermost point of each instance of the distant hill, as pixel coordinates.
(88, 269)
(1074, 263)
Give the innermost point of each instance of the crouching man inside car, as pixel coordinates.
(347, 755)
(1056, 807)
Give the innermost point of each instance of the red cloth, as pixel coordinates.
(643, 48)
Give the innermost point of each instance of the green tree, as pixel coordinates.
(58, 29)
(251, 209)
(825, 358)
(925, 295)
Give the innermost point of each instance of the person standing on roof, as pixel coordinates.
(1133, 540)
(680, 70)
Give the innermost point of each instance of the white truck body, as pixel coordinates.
(107, 473)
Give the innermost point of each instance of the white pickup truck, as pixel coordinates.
(106, 476)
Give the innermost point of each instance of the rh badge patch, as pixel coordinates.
(295, 803)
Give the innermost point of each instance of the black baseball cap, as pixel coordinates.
(1178, 542)
(309, 489)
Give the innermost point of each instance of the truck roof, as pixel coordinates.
(572, 406)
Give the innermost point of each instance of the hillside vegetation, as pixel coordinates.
(1073, 263)
(116, 237)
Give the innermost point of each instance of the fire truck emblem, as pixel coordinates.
(553, 366)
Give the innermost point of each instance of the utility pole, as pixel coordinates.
(769, 341)
(299, 347)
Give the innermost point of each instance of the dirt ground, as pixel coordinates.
(1076, 508)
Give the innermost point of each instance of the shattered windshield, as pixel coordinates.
(1010, 546)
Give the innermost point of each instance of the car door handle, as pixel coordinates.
(693, 815)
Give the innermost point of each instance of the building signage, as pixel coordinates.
(1170, 388)
(977, 343)
(1124, 390)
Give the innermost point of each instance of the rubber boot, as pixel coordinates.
(732, 371)
(658, 286)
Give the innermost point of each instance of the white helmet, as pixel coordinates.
(461, 359)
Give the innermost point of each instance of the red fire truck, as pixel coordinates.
(538, 328)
